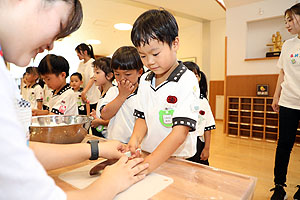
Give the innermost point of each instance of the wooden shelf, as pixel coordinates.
(266, 58)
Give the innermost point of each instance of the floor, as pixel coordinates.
(253, 158)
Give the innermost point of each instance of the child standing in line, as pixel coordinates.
(32, 91)
(119, 102)
(54, 70)
(75, 83)
(103, 75)
(168, 96)
(206, 121)
(90, 92)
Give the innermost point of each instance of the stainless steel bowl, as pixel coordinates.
(59, 129)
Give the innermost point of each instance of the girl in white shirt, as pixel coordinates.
(90, 92)
(286, 101)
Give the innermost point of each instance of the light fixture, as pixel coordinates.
(123, 26)
(93, 41)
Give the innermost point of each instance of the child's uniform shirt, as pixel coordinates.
(80, 103)
(19, 165)
(101, 128)
(48, 93)
(64, 102)
(173, 102)
(206, 121)
(33, 94)
(121, 125)
(87, 72)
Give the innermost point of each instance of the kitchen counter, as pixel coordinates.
(191, 181)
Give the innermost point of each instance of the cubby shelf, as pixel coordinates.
(253, 118)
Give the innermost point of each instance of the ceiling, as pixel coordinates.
(101, 15)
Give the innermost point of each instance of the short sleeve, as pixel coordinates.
(38, 90)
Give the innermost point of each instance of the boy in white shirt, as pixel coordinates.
(54, 70)
(119, 103)
(32, 91)
(168, 96)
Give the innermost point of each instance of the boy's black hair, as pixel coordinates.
(53, 64)
(126, 58)
(78, 75)
(32, 70)
(103, 64)
(154, 24)
(203, 82)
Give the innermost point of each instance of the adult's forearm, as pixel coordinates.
(53, 156)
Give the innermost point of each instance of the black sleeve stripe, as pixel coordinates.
(56, 111)
(138, 114)
(185, 122)
(101, 108)
(210, 128)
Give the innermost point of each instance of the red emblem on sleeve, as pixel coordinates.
(201, 112)
(171, 99)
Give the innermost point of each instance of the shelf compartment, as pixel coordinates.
(246, 100)
(245, 126)
(271, 136)
(233, 100)
(245, 113)
(258, 121)
(234, 106)
(233, 112)
(258, 114)
(272, 115)
(245, 133)
(259, 108)
(232, 131)
(260, 101)
(257, 134)
(245, 120)
(271, 122)
(233, 118)
(246, 107)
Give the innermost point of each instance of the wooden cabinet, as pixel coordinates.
(253, 117)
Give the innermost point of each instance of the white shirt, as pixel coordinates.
(173, 102)
(101, 128)
(121, 125)
(206, 121)
(21, 174)
(87, 72)
(47, 95)
(289, 61)
(64, 102)
(33, 94)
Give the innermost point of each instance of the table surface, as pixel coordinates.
(191, 181)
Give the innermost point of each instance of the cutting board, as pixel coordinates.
(145, 189)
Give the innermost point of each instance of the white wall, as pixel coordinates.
(217, 49)
(236, 31)
(65, 48)
(190, 39)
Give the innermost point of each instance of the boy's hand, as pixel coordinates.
(95, 123)
(125, 87)
(93, 114)
(134, 148)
